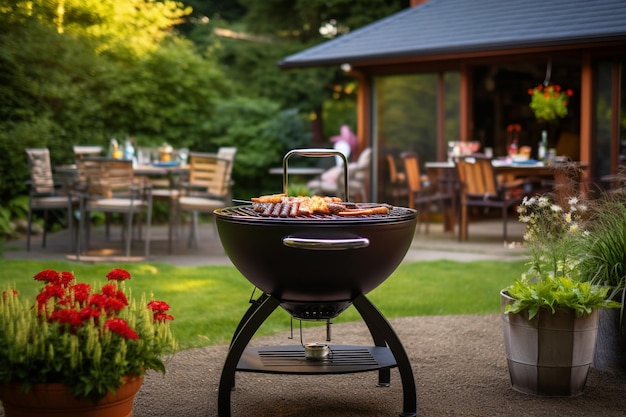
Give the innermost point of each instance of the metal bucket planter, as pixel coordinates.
(610, 355)
(551, 354)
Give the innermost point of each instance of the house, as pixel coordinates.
(461, 70)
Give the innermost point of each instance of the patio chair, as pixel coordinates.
(110, 187)
(46, 194)
(330, 182)
(208, 188)
(480, 187)
(396, 188)
(424, 192)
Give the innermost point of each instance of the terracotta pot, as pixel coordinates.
(55, 400)
(551, 354)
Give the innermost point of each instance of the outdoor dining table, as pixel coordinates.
(558, 180)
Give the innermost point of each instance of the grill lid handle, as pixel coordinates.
(325, 244)
(315, 153)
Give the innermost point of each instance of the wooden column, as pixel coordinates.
(586, 117)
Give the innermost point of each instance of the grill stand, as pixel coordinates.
(387, 353)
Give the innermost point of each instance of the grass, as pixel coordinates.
(208, 301)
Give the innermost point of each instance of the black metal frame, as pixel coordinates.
(388, 353)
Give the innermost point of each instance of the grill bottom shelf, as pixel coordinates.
(291, 360)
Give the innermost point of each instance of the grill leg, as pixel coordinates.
(258, 312)
(382, 332)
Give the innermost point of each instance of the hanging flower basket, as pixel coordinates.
(549, 102)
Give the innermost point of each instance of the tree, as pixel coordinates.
(69, 77)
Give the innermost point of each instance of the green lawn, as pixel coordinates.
(208, 301)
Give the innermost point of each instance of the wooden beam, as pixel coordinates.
(586, 116)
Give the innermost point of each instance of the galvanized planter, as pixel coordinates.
(551, 354)
(610, 353)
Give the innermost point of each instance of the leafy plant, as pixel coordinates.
(83, 339)
(604, 247)
(553, 236)
(556, 292)
(549, 102)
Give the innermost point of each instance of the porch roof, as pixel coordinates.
(443, 27)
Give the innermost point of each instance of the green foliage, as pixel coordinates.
(104, 70)
(549, 102)
(556, 292)
(605, 244)
(262, 134)
(555, 278)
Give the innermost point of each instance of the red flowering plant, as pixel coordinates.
(549, 102)
(84, 339)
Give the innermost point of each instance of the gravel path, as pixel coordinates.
(458, 364)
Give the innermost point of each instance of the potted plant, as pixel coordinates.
(73, 347)
(550, 315)
(604, 263)
(549, 101)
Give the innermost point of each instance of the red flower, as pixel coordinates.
(66, 278)
(48, 292)
(118, 274)
(90, 313)
(158, 316)
(158, 306)
(159, 309)
(121, 327)
(81, 292)
(66, 316)
(97, 301)
(110, 290)
(47, 275)
(53, 277)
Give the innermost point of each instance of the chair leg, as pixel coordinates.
(129, 232)
(70, 226)
(504, 222)
(45, 228)
(148, 229)
(427, 217)
(463, 226)
(29, 229)
(193, 231)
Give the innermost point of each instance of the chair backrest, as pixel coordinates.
(107, 177)
(412, 171)
(42, 181)
(477, 177)
(393, 169)
(228, 152)
(211, 172)
(363, 164)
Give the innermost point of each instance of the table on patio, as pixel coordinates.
(561, 178)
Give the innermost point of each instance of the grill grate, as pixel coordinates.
(248, 212)
(337, 357)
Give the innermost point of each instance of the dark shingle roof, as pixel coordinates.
(455, 26)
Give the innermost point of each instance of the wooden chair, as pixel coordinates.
(396, 189)
(208, 188)
(480, 187)
(423, 192)
(109, 186)
(46, 194)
